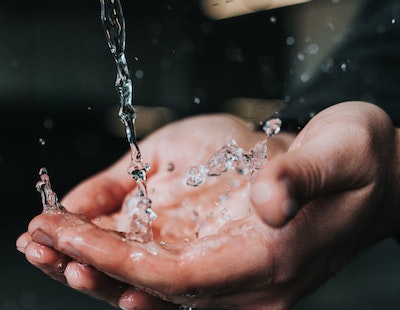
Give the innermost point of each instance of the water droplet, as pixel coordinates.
(170, 167)
(48, 123)
(304, 77)
(312, 49)
(327, 65)
(272, 126)
(49, 198)
(380, 29)
(337, 38)
(235, 54)
(290, 40)
(139, 74)
(301, 56)
(197, 175)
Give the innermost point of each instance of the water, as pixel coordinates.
(233, 158)
(50, 201)
(137, 205)
(114, 28)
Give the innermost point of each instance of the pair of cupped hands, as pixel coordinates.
(325, 195)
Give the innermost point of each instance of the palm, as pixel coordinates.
(213, 251)
(219, 208)
(185, 212)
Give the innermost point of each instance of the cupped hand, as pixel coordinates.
(184, 213)
(331, 195)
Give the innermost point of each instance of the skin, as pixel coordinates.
(324, 196)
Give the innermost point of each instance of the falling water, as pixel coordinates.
(114, 27)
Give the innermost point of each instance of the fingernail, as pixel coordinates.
(40, 237)
(21, 245)
(127, 300)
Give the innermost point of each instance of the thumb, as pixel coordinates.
(290, 180)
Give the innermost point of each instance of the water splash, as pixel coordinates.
(50, 201)
(114, 28)
(141, 217)
(272, 127)
(231, 157)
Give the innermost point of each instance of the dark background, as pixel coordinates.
(56, 86)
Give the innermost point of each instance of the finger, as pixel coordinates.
(23, 241)
(135, 299)
(47, 260)
(164, 272)
(312, 169)
(90, 281)
(80, 239)
(87, 279)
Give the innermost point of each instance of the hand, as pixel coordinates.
(181, 145)
(339, 167)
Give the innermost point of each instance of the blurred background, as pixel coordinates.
(58, 109)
